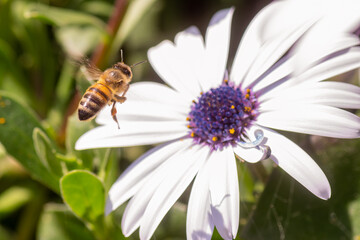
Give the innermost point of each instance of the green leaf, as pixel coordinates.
(58, 223)
(78, 40)
(99, 8)
(13, 198)
(12, 78)
(62, 17)
(354, 212)
(75, 128)
(84, 194)
(38, 56)
(17, 123)
(46, 152)
(63, 93)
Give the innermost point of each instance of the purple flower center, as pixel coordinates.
(220, 116)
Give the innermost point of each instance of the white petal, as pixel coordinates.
(269, 27)
(138, 172)
(251, 43)
(312, 119)
(131, 133)
(190, 43)
(148, 101)
(336, 94)
(176, 181)
(251, 155)
(340, 16)
(157, 93)
(199, 223)
(224, 192)
(336, 65)
(275, 75)
(298, 164)
(217, 42)
(137, 111)
(273, 50)
(171, 67)
(315, 46)
(135, 209)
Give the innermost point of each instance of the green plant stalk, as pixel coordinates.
(101, 53)
(28, 221)
(98, 228)
(63, 94)
(103, 165)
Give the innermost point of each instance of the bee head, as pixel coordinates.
(124, 69)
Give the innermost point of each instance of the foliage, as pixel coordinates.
(50, 191)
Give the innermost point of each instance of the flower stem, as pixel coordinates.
(102, 51)
(103, 165)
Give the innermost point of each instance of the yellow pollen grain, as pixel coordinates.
(232, 106)
(232, 131)
(226, 81)
(187, 119)
(247, 109)
(214, 139)
(188, 126)
(248, 90)
(247, 96)
(201, 93)
(192, 134)
(2, 120)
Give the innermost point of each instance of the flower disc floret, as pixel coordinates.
(220, 116)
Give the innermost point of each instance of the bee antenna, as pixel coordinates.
(138, 63)
(121, 56)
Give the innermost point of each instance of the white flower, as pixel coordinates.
(276, 82)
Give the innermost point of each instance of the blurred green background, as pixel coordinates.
(40, 88)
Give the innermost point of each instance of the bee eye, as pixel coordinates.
(126, 72)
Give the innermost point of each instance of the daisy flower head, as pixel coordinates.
(206, 117)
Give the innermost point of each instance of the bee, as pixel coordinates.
(110, 88)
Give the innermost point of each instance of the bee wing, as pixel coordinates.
(90, 71)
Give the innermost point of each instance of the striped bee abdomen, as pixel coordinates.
(94, 99)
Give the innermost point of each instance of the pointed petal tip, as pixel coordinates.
(325, 194)
(221, 15)
(108, 207)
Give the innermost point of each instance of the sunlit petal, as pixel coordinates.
(217, 42)
(130, 134)
(298, 164)
(224, 193)
(138, 173)
(169, 65)
(336, 94)
(176, 181)
(135, 209)
(312, 119)
(199, 222)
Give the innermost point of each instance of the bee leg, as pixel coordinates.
(120, 99)
(113, 114)
(126, 89)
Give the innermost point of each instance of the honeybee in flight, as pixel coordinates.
(110, 88)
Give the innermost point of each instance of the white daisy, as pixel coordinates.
(204, 117)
